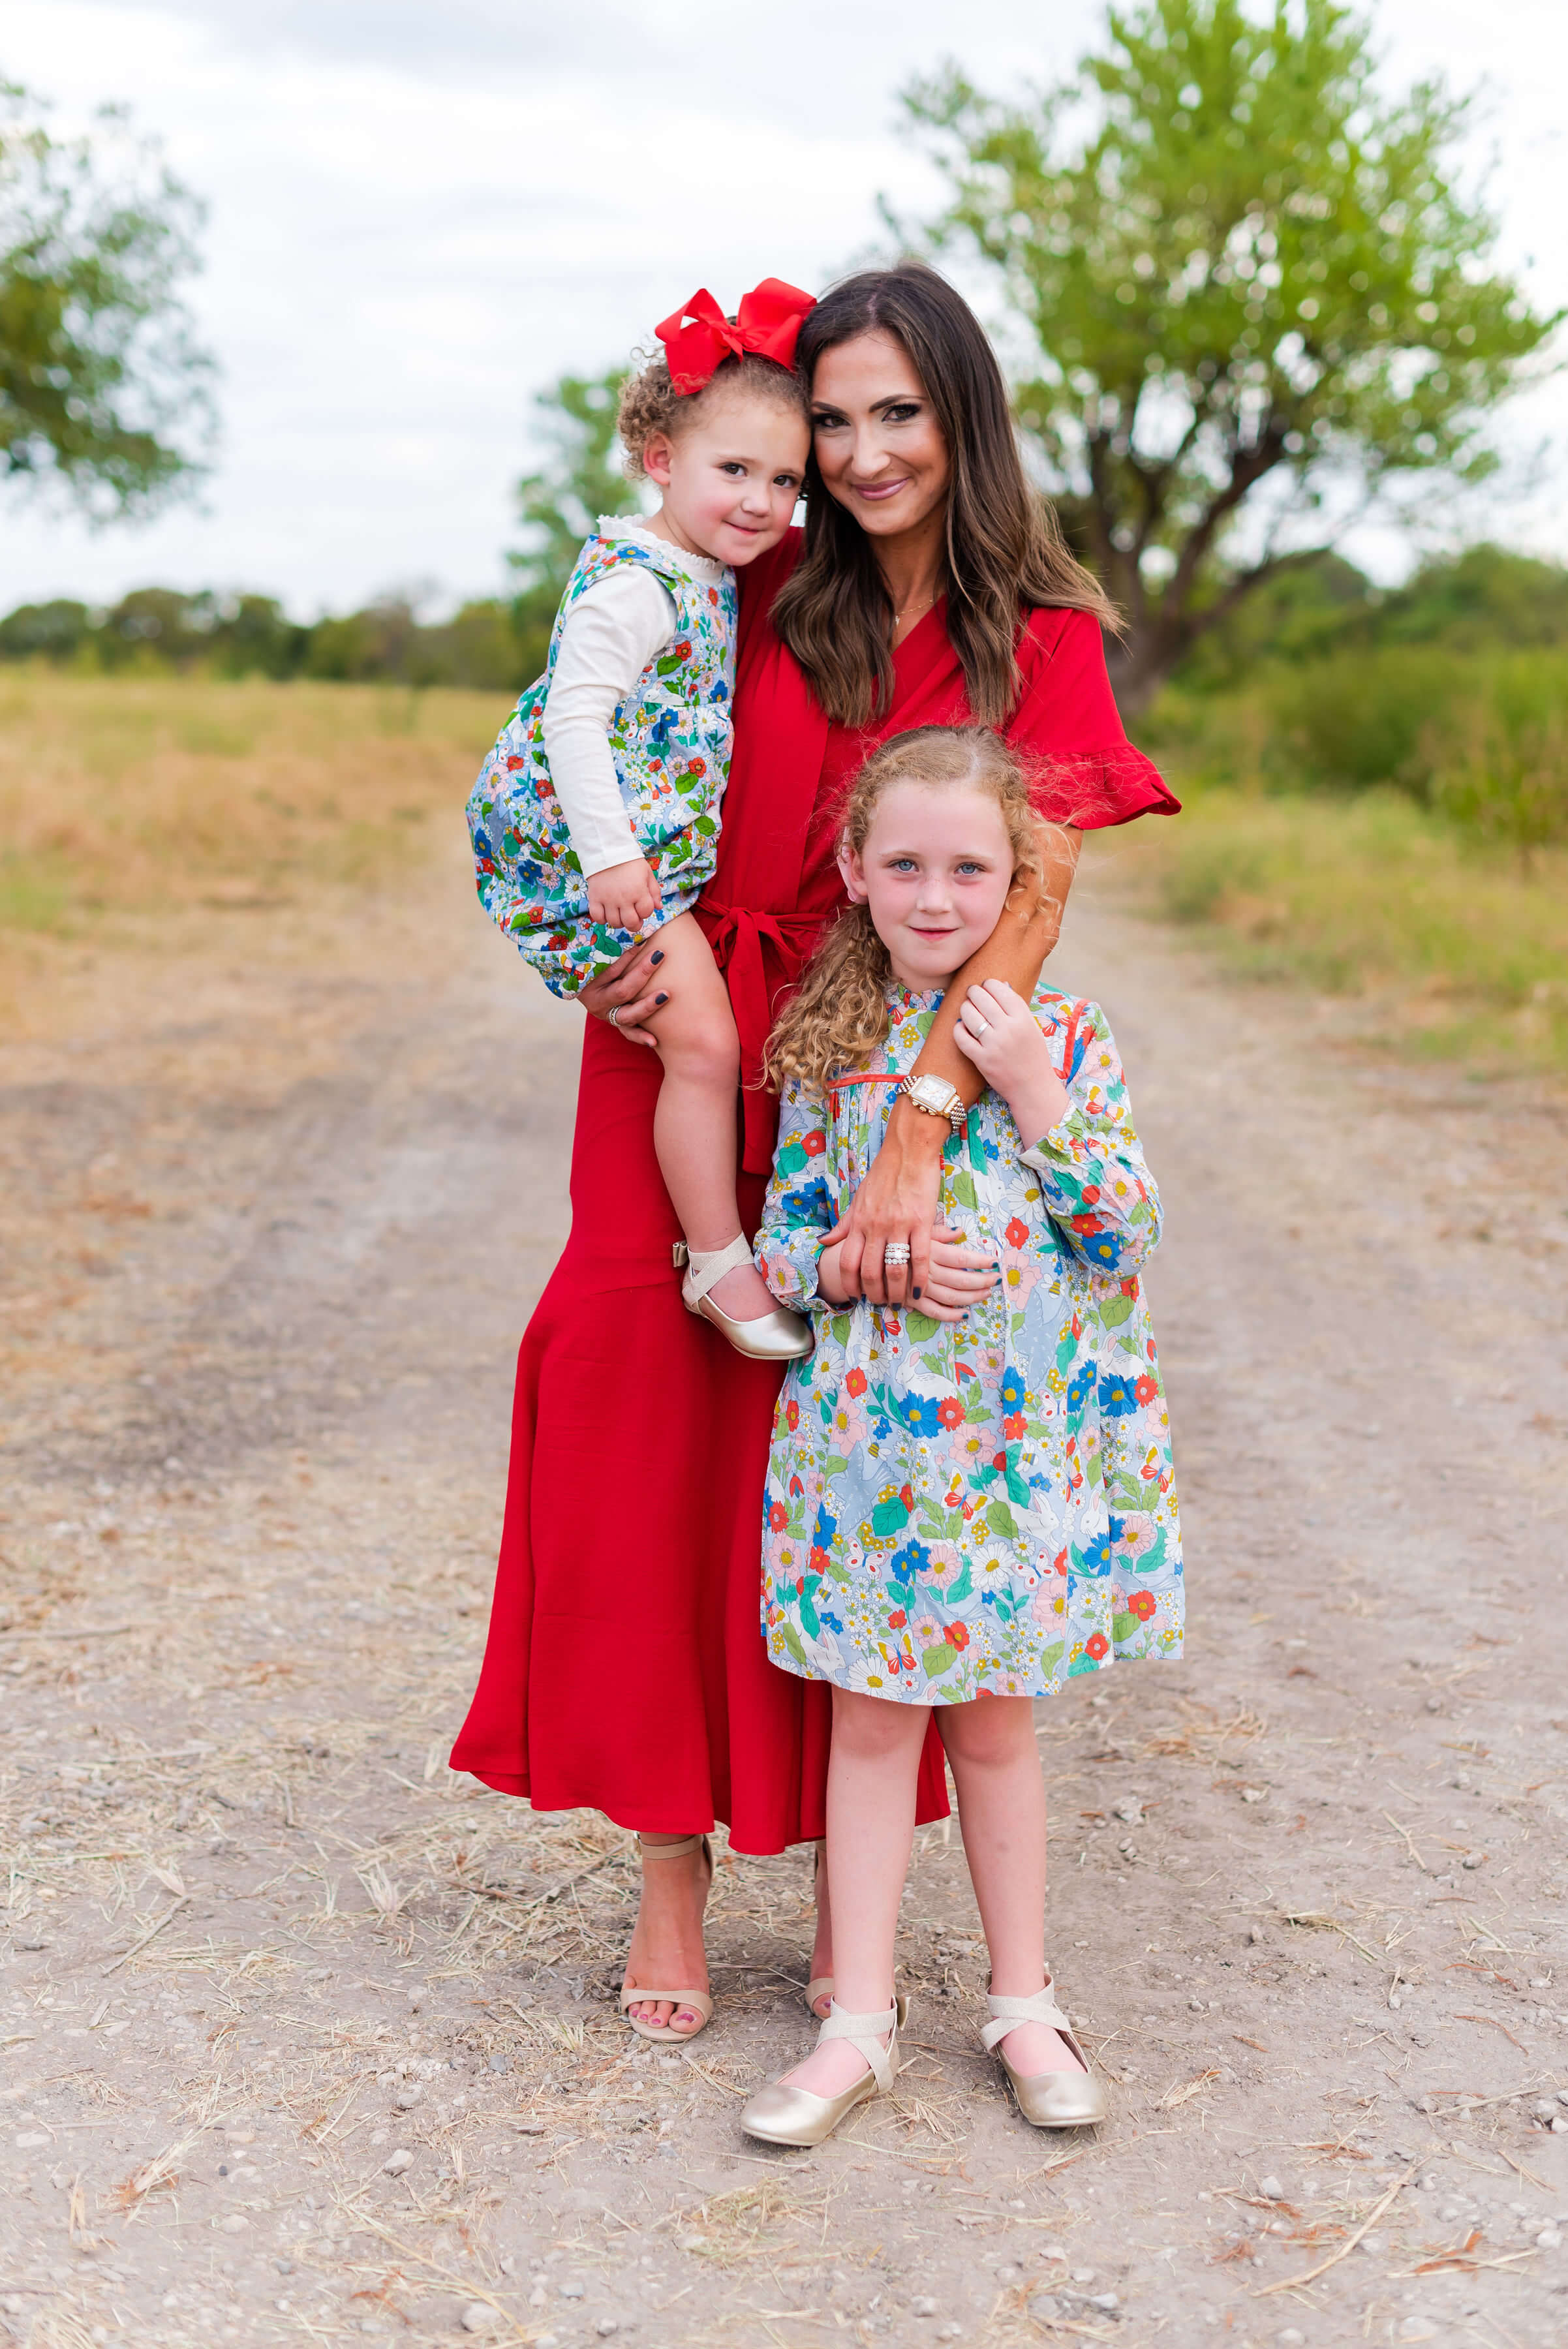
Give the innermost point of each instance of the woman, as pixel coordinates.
(624, 1669)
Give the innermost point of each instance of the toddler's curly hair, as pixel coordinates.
(650, 405)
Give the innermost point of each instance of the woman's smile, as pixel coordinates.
(874, 434)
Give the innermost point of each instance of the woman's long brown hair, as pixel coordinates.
(1005, 552)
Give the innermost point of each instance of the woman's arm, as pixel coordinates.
(897, 1200)
(1015, 951)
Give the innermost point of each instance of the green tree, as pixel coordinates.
(53, 632)
(384, 641)
(1297, 615)
(579, 480)
(1251, 280)
(103, 388)
(1484, 595)
(252, 634)
(1503, 768)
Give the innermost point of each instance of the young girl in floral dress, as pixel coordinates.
(596, 817)
(971, 1501)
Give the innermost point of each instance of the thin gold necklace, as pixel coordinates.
(925, 606)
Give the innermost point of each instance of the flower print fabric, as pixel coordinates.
(984, 1506)
(670, 740)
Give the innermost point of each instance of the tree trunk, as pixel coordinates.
(1137, 670)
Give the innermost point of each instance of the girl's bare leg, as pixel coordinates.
(1001, 1810)
(694, 1119)
(667, 1939)
(871, 1774)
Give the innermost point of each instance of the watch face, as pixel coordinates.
(930, 1092)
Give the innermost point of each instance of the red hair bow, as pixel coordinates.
(697, 336)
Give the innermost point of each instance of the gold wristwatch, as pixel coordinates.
(937, 1099)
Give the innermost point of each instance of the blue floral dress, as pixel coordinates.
(986, 1505)
(670, 740)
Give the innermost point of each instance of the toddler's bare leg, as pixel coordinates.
(694, 1121)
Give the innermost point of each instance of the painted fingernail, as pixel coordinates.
(658, 999)
(917, 1292)
(659, 955)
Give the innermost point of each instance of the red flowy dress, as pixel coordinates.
(625, 1670)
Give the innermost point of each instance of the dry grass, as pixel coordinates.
(128, 803)
(1204, 1737)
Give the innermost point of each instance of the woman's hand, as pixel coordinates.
(897, 1203)
(997, 1030)
(631, 987)
(958, 1276)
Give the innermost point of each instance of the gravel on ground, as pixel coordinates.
(303, 2038)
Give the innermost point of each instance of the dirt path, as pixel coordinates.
(303, 2039)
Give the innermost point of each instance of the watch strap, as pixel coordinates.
(956, 1113)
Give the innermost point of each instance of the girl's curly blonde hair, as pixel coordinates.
(838, 1015)
(650, 405)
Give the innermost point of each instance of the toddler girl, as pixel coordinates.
(596, 817)
(971, 1500)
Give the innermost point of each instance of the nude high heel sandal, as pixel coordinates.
(776, 1337)
(1046, 2099)
(633, 1994)
(780, 2114)
(819, 1983)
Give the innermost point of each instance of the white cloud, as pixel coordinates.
(421, 214)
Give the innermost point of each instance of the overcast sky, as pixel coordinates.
(420, 214)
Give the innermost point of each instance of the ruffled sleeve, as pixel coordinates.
(1068, 726)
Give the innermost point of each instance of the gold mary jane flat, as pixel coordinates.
(780, 1336)
(782, 2114)
(1046, 2099)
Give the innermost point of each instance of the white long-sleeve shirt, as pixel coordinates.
(612, 632)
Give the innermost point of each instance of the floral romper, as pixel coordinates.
(987, 1506)
(670, 740)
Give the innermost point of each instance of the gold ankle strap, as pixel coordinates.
(705, 1266)
(865, 2034)
(1007, 2013)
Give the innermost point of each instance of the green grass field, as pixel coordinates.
(1465, 952)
